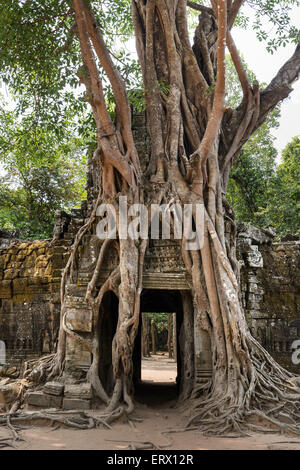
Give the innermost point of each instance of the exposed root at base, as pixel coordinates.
(73, 419)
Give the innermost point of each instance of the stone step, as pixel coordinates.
(54, 388)
(76, 404)
(43, 400)
(80, 391)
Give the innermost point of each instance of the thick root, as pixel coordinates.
(73, 419)
(272, 396)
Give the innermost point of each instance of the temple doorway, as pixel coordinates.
(157, 356)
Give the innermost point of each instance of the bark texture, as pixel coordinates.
(194, 142)
(145, 336)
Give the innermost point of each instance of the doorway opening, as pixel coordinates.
(107, 329)
(158, 347)
(157, 377)
(157, 356)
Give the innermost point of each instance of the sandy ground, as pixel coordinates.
(157, 417)
(159, 368)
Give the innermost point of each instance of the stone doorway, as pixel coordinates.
(147, 390)
(159, 347)
(178, 302)
(107, 329)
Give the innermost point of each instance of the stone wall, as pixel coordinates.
(29, 291)
(30, 274)
(270, 289)
(30, 279)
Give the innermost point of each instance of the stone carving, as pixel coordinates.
(254, 257)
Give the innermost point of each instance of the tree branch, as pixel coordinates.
(200, 8)
(280, 87)
(105, 127)
(117, 83)
(233, 12)
(242, 74)
(89, 61)
(265, 101)
(215, 119)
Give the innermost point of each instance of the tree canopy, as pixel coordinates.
(40, 61)
(41, 171)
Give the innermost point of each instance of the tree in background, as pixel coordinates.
(194, 140)
(41, 171)
(145, 335)
(170, 336)
(283, 209)
(252, 173)
(154, 325)
(261, 191)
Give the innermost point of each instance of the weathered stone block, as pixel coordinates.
(256, 314)
(77, 354)
(57, 260)
(8, 392)
(81, 391)
(29, 261)
(20, 285)
(253, 305)
(41, 261)
(76, 404)
(5, 289)
(255, 297)
(48, 271)
(139, 120)
(11, 274)
(79, 319)
(74, 290)
(256, 289)
(54, 388)
(43, 400)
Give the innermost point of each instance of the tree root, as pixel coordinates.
(73, 419)
(270, 396)
(6, 442)
(139, 445)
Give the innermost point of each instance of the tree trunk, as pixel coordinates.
(174, 337)
(153, 336)
(187, 347)
(145, 336)
(194, 141)
(170, 334)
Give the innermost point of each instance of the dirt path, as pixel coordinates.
(158, 416)
(158, 368)
(154, 423)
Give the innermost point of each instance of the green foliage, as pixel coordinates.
(160, 320)
(266, 196)
(42, 142)
(42, 171)
(40, 54)
(280, 29)
(283, 210)
(252, 174)
(261, 192)
(34, 61)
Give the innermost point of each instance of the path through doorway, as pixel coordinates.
(157, 361)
